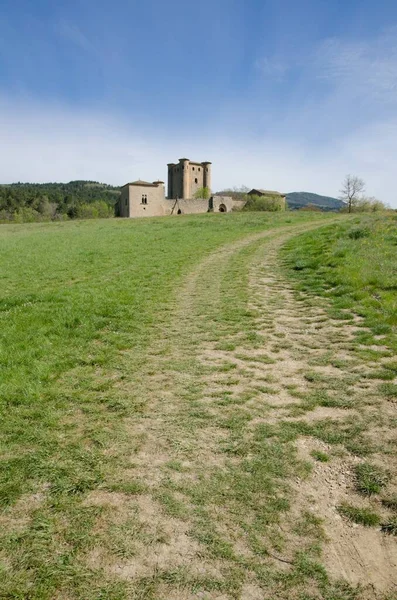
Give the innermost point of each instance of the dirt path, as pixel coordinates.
(247, 386)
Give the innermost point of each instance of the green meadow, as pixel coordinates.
(143, 453)
(354, 265)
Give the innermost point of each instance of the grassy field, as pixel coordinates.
(354, 265)
(144, 454)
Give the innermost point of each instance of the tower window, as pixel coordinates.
(144, 199)
(199, 169)
(196, 180)
(193, 168)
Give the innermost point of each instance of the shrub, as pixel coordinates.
(265, 203)
(358, 233)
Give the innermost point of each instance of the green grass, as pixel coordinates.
(320, 456)
(389, 390)
(353, 264)
(82, 308)
(370, 479)
(123, 439)
(362, 516)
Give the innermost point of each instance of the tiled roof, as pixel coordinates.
(139, 182)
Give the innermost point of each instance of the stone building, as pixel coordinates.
(142, 199)
(186, 178)
(145, 199)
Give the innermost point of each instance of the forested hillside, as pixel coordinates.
(25, 202)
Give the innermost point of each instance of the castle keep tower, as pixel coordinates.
(186, 177)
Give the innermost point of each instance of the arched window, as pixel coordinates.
(144, 199)
(196, 180)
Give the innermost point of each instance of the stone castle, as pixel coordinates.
(186, 178)
(185, 181)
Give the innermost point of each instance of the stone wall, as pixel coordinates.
(145, 201)
(193, 206)
(239, 204)
(123, 203)
(221, 203)
(201, 205)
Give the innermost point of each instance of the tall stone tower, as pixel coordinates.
(186, 177)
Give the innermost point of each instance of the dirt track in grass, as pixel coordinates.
(249, 384)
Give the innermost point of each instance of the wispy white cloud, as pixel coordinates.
(272, 67)
(56, 144)
(362, 68)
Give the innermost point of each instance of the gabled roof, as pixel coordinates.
(141, 183)
(266, 192)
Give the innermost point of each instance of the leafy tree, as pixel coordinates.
(47, 209)
(203, 192)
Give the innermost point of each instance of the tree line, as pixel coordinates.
(30, 202)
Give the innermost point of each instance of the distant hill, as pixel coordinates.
(296, 200)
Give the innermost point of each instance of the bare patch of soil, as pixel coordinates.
(361, 555)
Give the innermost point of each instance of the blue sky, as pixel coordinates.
(281, 94)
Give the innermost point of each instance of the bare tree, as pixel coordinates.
(352, 188)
